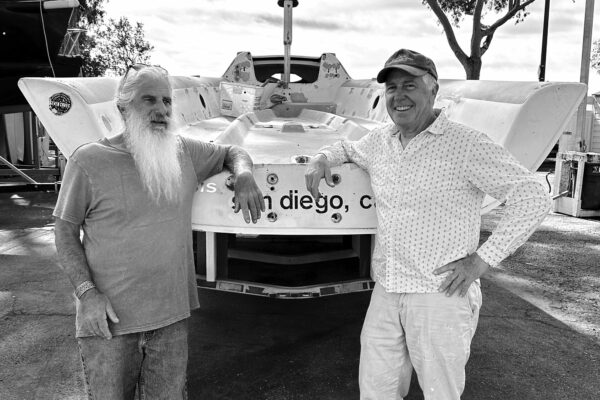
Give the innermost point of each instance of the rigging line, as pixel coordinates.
(46, 39)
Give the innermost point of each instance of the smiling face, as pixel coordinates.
(409, 100)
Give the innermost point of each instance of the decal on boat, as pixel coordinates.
(60, 103)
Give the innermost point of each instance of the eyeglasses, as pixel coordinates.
(136, 67)
(139, 66)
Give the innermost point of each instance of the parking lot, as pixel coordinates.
(538, 335)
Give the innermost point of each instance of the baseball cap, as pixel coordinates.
(410, 61)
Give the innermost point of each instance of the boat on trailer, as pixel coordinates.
(282, 123)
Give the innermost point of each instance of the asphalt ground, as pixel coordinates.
(538, 334)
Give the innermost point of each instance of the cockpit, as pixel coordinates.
(261, 70)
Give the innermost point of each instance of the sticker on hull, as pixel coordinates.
(60, 103)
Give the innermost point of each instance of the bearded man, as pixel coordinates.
(133, 270)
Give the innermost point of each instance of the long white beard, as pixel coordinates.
(156, 155)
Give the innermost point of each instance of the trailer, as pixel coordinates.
(282, 109)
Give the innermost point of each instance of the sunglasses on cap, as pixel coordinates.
(139, 66)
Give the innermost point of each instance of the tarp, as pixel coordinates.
(23, 46)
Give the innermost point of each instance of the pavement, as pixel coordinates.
(538, 335)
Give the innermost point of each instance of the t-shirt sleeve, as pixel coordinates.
(207, 158)
(75, 194)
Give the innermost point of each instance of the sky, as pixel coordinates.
(202, 37)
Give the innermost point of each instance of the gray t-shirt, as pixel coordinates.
(140, 253)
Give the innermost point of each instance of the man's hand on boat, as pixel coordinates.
(317, 169)
(248, 197)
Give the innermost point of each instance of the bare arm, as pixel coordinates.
(70, 252)
(248, 196)
(95, 306)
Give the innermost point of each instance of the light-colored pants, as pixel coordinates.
(428, 331)
(151, 364)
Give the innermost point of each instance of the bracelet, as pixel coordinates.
(84, 287)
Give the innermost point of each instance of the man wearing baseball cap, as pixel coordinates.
(429, 177)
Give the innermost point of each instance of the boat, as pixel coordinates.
(282, 122)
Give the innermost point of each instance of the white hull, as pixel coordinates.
(527, 118)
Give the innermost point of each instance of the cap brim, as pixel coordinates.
(382, 75)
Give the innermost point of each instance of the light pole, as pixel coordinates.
(585, 71)
(542, 69)
(287, 5)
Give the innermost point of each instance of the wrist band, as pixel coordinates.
(84, 287)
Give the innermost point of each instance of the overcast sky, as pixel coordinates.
(201, 37)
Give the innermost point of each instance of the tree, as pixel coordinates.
(109, 47)
(595, 57)
(91, 14)
(451, 12)
(119, 44)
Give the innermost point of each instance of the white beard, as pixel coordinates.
(156, 155)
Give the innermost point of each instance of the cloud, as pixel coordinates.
(394, 5)
(203, 36)
(320, 24)
(219, 18)
(328, 25)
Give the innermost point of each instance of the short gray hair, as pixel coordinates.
(430, 82)
(133, 78)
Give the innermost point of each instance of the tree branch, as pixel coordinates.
(477, 31)
(450, 36)
(514, 7)
(486, 44)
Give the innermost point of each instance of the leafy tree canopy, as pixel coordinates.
(117, 45)
(595, 56)
(109, 46)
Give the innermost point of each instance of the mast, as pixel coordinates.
(287, 5)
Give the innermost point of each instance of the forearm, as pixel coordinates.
(71, 255)
(524, 211)
(359, 152)
(238, 161)
(248, 196)
(497, 173)
(336, 154)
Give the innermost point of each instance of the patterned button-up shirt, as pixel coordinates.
(429, 195)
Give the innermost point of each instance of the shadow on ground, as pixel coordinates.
(255, 348)
(244, 347)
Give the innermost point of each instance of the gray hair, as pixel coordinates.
(133, 78)
(431, 83)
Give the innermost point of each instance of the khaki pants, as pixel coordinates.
(429, 332)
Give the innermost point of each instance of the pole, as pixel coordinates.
(542, 69)
(17, 170)
(287, 40)
(586, 48)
